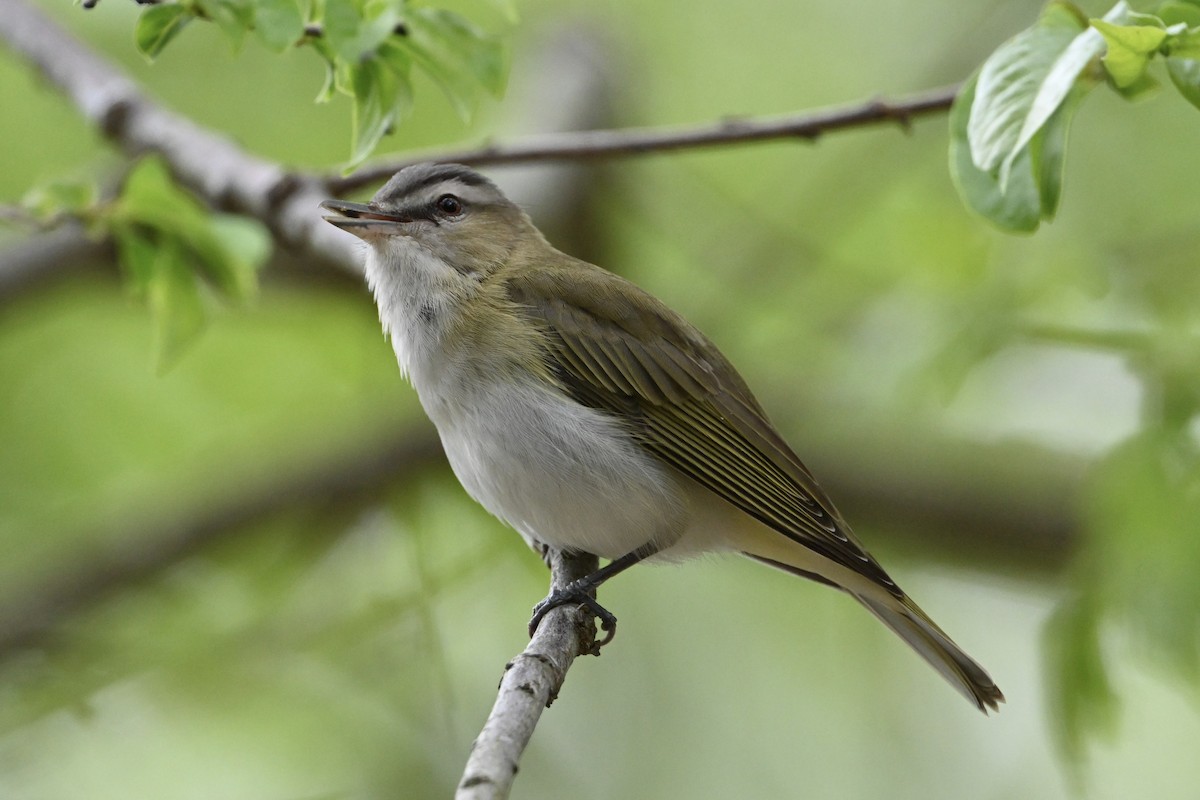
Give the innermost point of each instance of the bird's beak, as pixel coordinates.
(360, 219)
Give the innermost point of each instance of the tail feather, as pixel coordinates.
(921, 633)
(904, 617)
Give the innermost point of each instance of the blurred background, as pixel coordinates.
(253, 576)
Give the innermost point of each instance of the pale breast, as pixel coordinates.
(558, 472)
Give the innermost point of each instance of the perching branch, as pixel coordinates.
(578, 145)
(531, 682)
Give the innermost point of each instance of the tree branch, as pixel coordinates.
(287, 202)
(211, 166)
(48, 254)
(807, 125)
(531, 682)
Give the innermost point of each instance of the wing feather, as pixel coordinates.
(682, 400)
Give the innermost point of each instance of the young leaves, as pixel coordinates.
(52, 202)
(456, 54)
(278, 24)
(372, 47)
(1009, 124)
(369, 47)
(1129, 48)
(170, 247)
(158, 25)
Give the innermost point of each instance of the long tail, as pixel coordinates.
(931, 642)
(911, 624)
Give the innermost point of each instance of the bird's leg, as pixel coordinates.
(544, 550)
(582, 592)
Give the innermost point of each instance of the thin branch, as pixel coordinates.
(531, 682)
(1106, 341)
(807, 125)
(48, 255)
(16, 215)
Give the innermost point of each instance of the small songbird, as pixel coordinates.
(589, 416)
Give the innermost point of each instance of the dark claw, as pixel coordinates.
(577, 593)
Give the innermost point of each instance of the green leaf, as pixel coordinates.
(278, 24)
(233, 17)
(244, 247)
(397, 59)
(379, 21)
(136, 253)
(1080, 691)
(1048, 151)
(355, 29)
(1034, 186)
(456, 54)
(1023, 84)
(340, 22)
(330, 84)
(1129, 49)
(1145, 84)
(1141, 503)
(158, 25)
(1015, 207)
(175, 302)
(1174, 12)
(1185, 44)
(149, 196)
(150, 199)
(374, 87)
(60, 197)
(1185, 74)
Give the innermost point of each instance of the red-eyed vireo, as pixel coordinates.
(589, 416)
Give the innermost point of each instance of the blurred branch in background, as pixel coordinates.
(32, 261)
(1027, 520)
(353, 479)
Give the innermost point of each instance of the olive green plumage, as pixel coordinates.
(588, 415)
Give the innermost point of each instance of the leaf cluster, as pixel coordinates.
(174, 251)
(369, 48)
(1009, 124)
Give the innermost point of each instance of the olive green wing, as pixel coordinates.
(683, 401)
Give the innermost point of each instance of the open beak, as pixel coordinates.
(360, 219)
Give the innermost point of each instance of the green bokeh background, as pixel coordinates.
(350, 648)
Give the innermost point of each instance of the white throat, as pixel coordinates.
(419, 298)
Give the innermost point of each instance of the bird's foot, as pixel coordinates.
(579, 593)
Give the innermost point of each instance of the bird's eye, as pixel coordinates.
(449, 205)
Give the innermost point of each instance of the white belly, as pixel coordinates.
(559, 473)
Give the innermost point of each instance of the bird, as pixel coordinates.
(590, 417)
